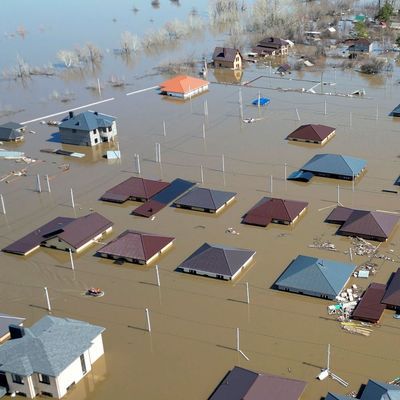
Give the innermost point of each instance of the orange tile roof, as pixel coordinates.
(182, 84)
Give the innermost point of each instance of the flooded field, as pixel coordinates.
(194, 319)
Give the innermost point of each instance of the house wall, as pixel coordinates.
(79, 137)
(109, 135)
(208, 274)
(235, 64)
(305, 292)
(187, 94)
(26, 388)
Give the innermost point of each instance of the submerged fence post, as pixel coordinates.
(237, 339)
(3, 208)
(240, 104)
(297, 113)
(201, 174)
(285, 171)
(47, 299)
(148, 320)
(71, 260)
(271, 183)
(377, 112)
(98, 86)
(338, 194)
(223, 163)
(351, 119)
(158, 276)
(325, 107)
(72, 199)
(48, 184)
(164, 129)
(137, 160)
(38, 184)
(247, 293)
(205, 108)
(204, 131)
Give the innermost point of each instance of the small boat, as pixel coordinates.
(52, 123)
(95, 292)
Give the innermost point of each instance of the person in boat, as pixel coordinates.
(95, 291)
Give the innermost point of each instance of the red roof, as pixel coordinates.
(136, 245)
(312, 132)
(370, 307)
(268, 209)
(182, 84)
(149, 208)
(134, 187)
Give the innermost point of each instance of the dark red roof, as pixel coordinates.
(149, 208)
(243, 384)
(339, 215)
(134, 187)
(83, 229)
(392, 295)
(35, 238)
(312, 132)
(375, 225)
(137, 245)
(370, 307)
(269, 208)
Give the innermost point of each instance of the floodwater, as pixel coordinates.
(194, 319)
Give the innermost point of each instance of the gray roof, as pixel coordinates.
(205, 198)
(217, 259)
(316, 275)
(335, 164)
(6, 320)
(10, 131)
(48, 347)
(87, 121)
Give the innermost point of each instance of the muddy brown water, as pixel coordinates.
(194, 319)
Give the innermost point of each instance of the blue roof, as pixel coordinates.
(300, 176)
(380, 391)
(262, 101)
(88, 121)
(396, 111)
(335, 164)
(316, 275)
(48, 347)
(333, 396)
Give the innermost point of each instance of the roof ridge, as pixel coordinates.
(226, 259)
(287, 210)
(210, 191)
(322, 273)
(347, 164)
(377, 222)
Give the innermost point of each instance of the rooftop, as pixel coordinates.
(48, 347)
(312, 132)
(136, 245)
(392, 294)
(182, 84)
(370, 307)
(269, 208)
(6, 320)
(217, 259)
(225, 54)
(87, 121)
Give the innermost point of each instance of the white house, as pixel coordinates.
(87, 129)
(49, 358)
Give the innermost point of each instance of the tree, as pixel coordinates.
(361, 29)
(69, 58)
(398, 41)
(129, 43)
(385, 12)
(90, 54)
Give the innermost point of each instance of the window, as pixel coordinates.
(83, 364)
(47, 394)
(17, 379)
(44, 379)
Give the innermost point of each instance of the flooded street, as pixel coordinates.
(194, 319)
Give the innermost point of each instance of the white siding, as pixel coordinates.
(26, 387)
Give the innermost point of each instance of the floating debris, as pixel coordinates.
(53, 123)
(63, 152)
(318, 243)
(352, 327)
(232, 231)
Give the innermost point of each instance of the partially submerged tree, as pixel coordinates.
(68, 58)
(373, 66)
(385, 12)
(129, 43)
(361, 29)
(90, 54)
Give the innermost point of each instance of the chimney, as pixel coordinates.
(16, 331)
(71, 114)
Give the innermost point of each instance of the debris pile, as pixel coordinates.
(318, 243)
(359, 329)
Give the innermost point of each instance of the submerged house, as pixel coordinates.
(133, 188)
(5, 321)
(49, 358)
(227, 57)
(312, 133)
(371, 225)
(395, 112)
(243, 384)
(271, 46)
(315, 277)
(391, 297)
(272, 210)
(206, 200)
(136, 247)
(374, 390)
(87, 129)
(370, 307)
(335, 166)
(11, 132)
(63, 233)
(217, 261)
(358, 45)
(183, 86)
